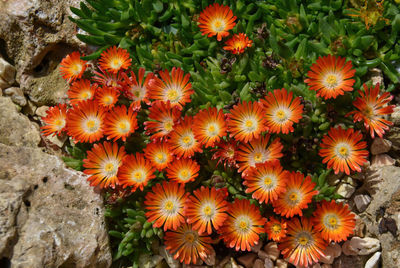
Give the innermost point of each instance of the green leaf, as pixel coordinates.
(225, 96)
(158, 6)
(91, 39)
(73, 163)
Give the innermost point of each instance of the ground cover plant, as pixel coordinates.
(217, 123)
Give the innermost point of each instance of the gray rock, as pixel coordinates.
(362, 201)
(272, 250)
(258, 264)
(49, 215)
(364, 246)
(247, 260)
(16, 94)
(280, 263)
(15, 128)
(172, 263)
(268, 263)
(373, 262)
(380, 146)
(350, 261)
(381, 160)
(7, 72)
(395, 116)
(331, 252)
(42, 111)
(345, 190)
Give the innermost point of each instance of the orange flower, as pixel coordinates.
(72, 67)
(226, 152)
(266, 181)
(120, 123)
(106, 79)
(282, 111)
(238, 43)
(371, 109)
(241, 228)
(165, 205)
(159, 154)
(331, 76)
(206, 209)
(257, 151)
(114, 59)
(85, 122)
(209, 126)
(175, 88)
(276, 229)
(135, 171)
(55, 120)
(299, 193)
(164, 117)
(334, 221)
(106, 97)
(187, 245)
(135, 89)
(182, 141)
(303, 246)
(183, 170)
(81, 90)
(343, 150)
(102, 163)
(216, 20)
(246, 121)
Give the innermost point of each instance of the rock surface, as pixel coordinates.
(15, 128)
(49, 215)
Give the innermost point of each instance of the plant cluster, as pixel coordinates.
(199, 131)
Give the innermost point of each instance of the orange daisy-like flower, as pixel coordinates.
(258, 151)
(159, 154)
(209, 126)
(343, 150)
(238, 43)
(135, 171)
(114, 59)
(226, 152)
(85, 122)
(282, 111)
(331, 76)
(106, 79)
(334, 221)
(276, 229)
(72, 67)
(216, 20)
(106, 97)
(241, 228)
(175, 88)
(120, 123)
(187, 245)
(303, 246)
(266, 181)
(136, 88)
(182, 141)
(102, 163)
(183, 170)
(165, 204)
(371, 108)
(55, 120)
(246, 121)
(81, 90)
(164, 116)
(206, 209)
(299, 193)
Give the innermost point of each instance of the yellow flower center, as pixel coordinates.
(207, 211)
(116, 63)
(108, 100)
(219, 25)
(243, 225)
(168, 125)
(186, 139)
(136, 93)
(303, 240)
(172, 95)
(85, 95)
(189, 238)
(59, 122)
(276, 228)
(267, 181)
(184, 174)
(122, 125)
(258, 157)
(76, 68)
(91, 124)
(343, 151)
(331, 81)
(293, 197)
(160, 157)
(249, 123)
(169, 206)
(333, 221)
(109, 167)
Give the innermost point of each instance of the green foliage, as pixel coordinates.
(131, 235)
(77, 154)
